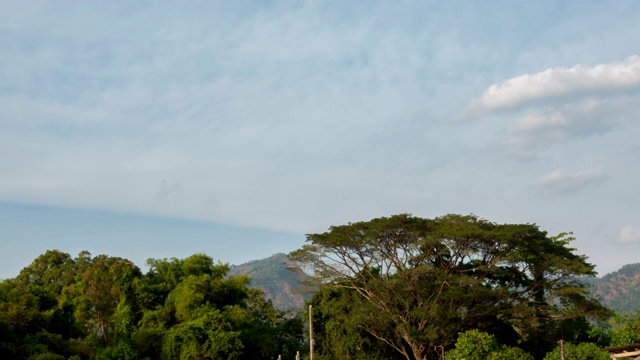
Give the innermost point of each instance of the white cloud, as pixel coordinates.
(555, 82)
(535, 131)
(560, 106)
(564, 182)
(629, 234)
(538, 121)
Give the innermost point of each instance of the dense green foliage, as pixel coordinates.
(104, 308)
(582, 351)
(476, 345)
(415, 283)
(336, 314)
(454, 287)
(624, 329)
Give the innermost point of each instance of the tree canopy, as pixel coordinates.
(423, 281)
(399, 287)
(105, 308)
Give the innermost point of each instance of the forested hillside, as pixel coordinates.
(280, 278)
(620, 290)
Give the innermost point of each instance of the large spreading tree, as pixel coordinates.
(420, 282)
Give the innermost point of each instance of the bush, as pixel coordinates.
(48, 356)
(476, 345)
(582, 351)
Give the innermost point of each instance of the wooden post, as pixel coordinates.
(297, 355)
(279, 357)
(310, 332)
(561, 349)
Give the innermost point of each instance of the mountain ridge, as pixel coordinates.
(619, 290)
(280, 278)
(284, 284)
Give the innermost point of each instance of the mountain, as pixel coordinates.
(283, 283)
(620, 290)
(279, 278)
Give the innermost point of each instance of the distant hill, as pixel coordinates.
(620, 290)
(274, 275)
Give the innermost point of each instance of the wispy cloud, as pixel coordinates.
(629, 234)
(555, 82)
(538, 130)
(560, 182)
(287, 117)
(225, 114)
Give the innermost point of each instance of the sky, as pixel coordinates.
(155, 129)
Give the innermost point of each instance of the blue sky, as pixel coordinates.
(157, 129)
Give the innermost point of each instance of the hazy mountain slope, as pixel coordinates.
(620, 290)
(274, 276)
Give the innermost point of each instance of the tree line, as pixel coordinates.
(400, 287)
(104, 307)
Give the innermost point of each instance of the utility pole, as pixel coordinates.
(561, 342)
(310, 332)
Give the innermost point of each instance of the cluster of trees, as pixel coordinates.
(454, 287)
(404, 287)
(104, 308)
